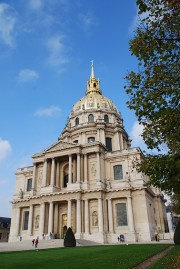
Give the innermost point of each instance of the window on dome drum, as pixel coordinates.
(26, 219)
(121, 214)
(118, 172)
(29, 184)
(77, 121)
(65, 181)
(91, 139)
(90, 118)
(109, 143)
(106, 118)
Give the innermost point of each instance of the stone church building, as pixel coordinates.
(88, 181)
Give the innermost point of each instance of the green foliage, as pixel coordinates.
(175, 203)
(69, 240)
(154, 89)
(177, 234)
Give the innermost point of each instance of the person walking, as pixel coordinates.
(36, 242)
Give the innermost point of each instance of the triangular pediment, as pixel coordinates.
(60, 145)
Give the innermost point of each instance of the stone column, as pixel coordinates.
(69, 214)
(78, 217)
(100, 215)
(98, 167)
(86, 216)
(98, 135)
(118, 147)
(130, 214)
(30, 220)
(57, 174)
(82, 167)
(18, 216)
(34, 177)
(78, 168)
(70, 169)
(110, 216)
(103, 139)
(50, 221)
(85, 169)
(42, 216)
(121, 141)
(44, 174)
(52, 172)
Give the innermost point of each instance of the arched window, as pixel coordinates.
(29, 184)
(91, 139)
(106, 118)
(94, 85)
(65, 181)
(77, 121)
(109, 143)
(37, 222)
(90, 118)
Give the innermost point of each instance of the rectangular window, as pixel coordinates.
(29, 184)
(0, 236)
(121, 214)
(26, 219)
(118, 172)
(109, 143)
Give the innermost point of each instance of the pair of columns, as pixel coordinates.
(130, 215)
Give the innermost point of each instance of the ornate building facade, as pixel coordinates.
(87, 181)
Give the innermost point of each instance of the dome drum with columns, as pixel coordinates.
(88, 181)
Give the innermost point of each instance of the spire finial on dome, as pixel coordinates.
(92, 69)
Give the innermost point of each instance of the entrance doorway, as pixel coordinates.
(64, 225)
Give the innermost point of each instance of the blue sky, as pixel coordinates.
(45, 51)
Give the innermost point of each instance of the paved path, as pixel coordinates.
(56, 243)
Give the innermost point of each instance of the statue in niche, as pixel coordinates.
(94, 219)
(21, 194)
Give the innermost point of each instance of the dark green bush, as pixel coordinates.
(177, 234)
(69, 240)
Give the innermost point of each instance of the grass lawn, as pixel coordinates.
(170, 261)
(102, 257)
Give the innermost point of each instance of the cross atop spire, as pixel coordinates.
(92, 69)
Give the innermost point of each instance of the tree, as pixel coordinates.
(154, 90)
(175, 203)
(69, 240)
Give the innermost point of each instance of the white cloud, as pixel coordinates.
(5, 149)
(87, 20)
(35, 4)
(136, 133)
(27, 75)
(49, 112)
(8, 19)
(57, 56)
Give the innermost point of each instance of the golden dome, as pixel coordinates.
(93, 98)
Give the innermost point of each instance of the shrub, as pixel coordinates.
(177, 234)
(69, 240)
